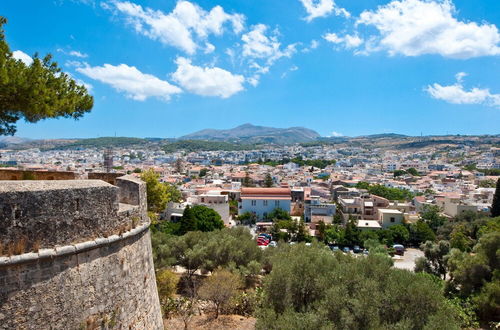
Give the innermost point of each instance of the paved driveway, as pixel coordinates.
(408, 260)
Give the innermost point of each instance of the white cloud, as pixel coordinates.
(290, 69)
(322, 8)
(135, 84)
(457, 94)
(336, 134)
(254, 80)
(77, 54)
(183, 26)
(207, 81)
(22, 56)
(418, 27)
(209, 48)
(257, 45)
(349, 41)
(313, 45)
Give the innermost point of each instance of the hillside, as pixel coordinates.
(249, 133)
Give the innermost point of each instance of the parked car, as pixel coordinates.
(263, 239)
(334, 248)
(346, 250)
(400, 249)
(273, 244)
(366, 252)
(357, 249)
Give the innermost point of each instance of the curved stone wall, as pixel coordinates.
(105, 280)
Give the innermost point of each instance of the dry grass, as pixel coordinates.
(206, 322)
(20, 246)
(36, 245)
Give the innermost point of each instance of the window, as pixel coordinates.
(393, 219)
(265, 203)
(254, 202)
(276, 203)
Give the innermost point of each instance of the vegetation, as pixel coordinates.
(220, 288)
(158, 194)
(319, 163)
(495, 207)
(467, 256)
(37, 91)
(386, 192)
(490, 171)
(311, 288)
(247, 218)
(200, 145)
(268, 181)
(103, 142)
(412, 171)
(200, 218)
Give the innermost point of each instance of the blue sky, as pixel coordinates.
(161, 68)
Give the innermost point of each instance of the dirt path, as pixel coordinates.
(204, 322)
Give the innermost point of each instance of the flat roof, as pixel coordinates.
(368, 224)
(389, 211)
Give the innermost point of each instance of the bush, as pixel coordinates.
(311, 288)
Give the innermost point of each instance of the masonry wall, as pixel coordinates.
(112, 286)
(92, 267)
(7, 174)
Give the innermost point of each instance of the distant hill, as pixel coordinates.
(249, 133)
(385, 135)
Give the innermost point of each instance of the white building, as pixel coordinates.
(261, 201)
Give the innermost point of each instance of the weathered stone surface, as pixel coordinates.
(117, 289)
(95, 267)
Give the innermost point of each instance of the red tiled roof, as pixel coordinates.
(248, 192)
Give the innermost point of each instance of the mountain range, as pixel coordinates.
(248, 133)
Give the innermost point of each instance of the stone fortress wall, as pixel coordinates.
(76, 254)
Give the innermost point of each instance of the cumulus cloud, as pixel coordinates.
(22, 56)
(77, 54)
(129, 80)
(183, 27)
(348, 41)
(322, 8)
(313, 45)
(207, 81)
(336, 134)
(256, 44)
(457, 94)
(418, 27)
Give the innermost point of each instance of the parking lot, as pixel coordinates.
(408, 260)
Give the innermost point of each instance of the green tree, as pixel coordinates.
(219, 289)
(311, 288)
(495, 206)
(247, 218)
(488, 301)
(397, 173)
(247, 181)
(166, 282)
(156, 192)
(399, 234)
(432, 216)
(201, 218)
(37, 91)
(413, 171)
(203, 172)
(278, 214)
(268, 181)
(434, 260)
